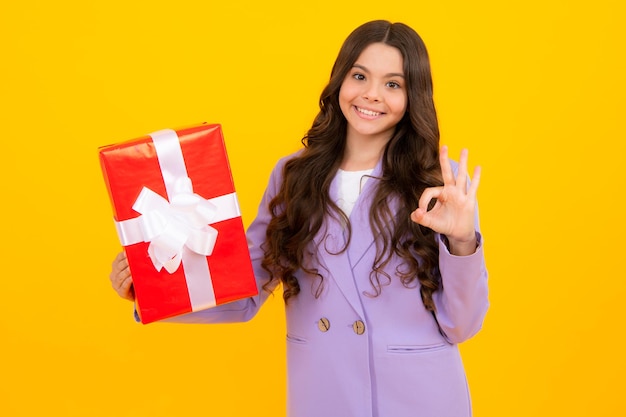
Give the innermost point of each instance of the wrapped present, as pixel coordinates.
(178, 218)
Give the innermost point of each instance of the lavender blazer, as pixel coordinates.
(353, 355)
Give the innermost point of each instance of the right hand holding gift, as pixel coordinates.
(120, 277)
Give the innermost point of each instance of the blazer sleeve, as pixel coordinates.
(245, 309)
(463, 301)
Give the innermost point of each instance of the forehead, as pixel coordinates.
(381, 57)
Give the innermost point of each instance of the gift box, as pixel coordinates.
(177, 216)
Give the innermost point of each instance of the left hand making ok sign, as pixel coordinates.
(454, 211)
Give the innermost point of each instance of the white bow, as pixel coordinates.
(170, 226)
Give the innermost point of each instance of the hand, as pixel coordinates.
(121, 281)
(454, 210)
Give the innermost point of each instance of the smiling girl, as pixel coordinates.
(373, 233)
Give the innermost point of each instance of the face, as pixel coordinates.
(373, 95)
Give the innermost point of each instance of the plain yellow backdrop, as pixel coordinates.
(534, 89)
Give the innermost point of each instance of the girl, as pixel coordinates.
(372, 232)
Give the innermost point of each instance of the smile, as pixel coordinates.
(367, 112)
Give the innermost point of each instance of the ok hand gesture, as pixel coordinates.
(454, 210)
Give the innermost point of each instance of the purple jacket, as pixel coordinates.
(354, 355)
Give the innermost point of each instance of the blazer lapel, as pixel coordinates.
(362, 236)
(329, 242)
(334, 236)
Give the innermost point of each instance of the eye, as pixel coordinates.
(393, 84)
(358, 76)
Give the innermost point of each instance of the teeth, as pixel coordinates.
(368, 112)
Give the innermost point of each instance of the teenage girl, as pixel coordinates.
(373, 233)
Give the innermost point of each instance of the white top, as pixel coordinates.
(350, 185)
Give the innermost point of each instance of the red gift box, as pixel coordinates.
(178, 219)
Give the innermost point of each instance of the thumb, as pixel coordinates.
(420, 216)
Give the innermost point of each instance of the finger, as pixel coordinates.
(125, 289)
(122, 282)
(446, 169)
(119, 264)
(461, 176)
(422, 217)
(120, 260)
(418, 216)
(118, 278)
(119, 271)
(475, 181)
(428, 195)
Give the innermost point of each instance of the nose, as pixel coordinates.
(371, 93)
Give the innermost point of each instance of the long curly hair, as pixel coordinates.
(410, 164)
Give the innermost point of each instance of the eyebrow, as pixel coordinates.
(391, 74)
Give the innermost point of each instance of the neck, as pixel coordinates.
(362, 154)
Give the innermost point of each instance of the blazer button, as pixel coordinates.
(323, 324)
(358, 327)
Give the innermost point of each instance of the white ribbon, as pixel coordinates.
(178, 230)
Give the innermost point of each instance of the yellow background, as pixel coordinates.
(535, 89)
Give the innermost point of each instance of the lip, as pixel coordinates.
(359, 112)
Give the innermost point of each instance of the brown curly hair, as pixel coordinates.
(410, 164)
